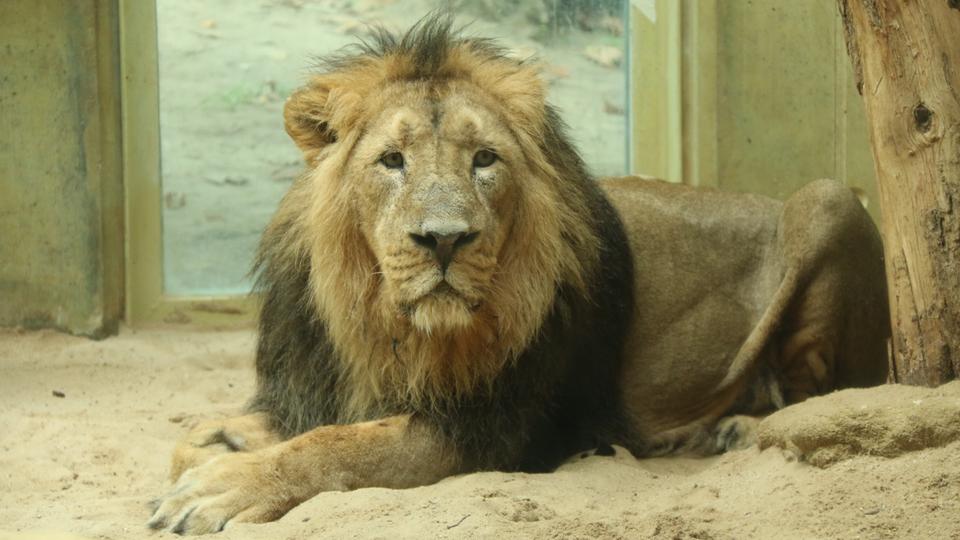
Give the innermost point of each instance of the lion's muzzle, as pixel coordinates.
(444, 239)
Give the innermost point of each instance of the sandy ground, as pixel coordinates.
(226, 68)
(87, 428)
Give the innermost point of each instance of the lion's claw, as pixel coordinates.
(230, 487)
(181, 526)
(735, 433)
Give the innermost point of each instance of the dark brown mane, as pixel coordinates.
(549, 307)
(427, 44)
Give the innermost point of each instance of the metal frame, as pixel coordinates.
(146, 302)
(655, 111)
(674, 90)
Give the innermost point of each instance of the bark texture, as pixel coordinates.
(906, 58)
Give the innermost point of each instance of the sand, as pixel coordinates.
(84, 465)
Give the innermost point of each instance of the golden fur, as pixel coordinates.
(550, 322)
(355, 278)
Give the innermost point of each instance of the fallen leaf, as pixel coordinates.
(610, 107)
(604, 55)
(173, 200)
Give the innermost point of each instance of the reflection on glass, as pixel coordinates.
(226, 68)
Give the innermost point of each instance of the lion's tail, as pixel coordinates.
(750, 352)
(698, 437)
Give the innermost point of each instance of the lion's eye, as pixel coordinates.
(484, 158)
(393, 160)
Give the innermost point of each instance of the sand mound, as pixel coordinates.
(887, 421)
(88, 428)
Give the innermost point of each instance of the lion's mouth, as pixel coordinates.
(444, 288)
(441, 309)
(445, 293)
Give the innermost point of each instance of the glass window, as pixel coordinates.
(226, 68)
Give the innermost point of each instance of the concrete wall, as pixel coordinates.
(61, 208)
(787, 108)
(751, 96)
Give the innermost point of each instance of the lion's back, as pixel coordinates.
(723, 279)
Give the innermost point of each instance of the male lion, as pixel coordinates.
(446, 290)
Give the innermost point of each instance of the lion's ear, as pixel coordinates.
(306, 118)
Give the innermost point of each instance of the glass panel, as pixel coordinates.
(226, 68)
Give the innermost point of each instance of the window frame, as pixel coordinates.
(674, 90)
(146, 303)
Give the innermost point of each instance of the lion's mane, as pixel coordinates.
(331, 351)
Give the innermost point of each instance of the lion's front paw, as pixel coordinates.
(215, 437)
(240, 487)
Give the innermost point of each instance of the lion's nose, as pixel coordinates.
(444, 242)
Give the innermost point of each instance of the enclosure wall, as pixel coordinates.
(747, 96)
(61, 208)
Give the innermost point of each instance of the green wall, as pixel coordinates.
(767, 101)
(787, 109)
(61, 207)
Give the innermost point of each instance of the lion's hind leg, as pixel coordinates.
(702, 438)
(737, 429)
(736, 432)
(211, 438)
(835, 333)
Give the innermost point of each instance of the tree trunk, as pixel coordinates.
(906, 58)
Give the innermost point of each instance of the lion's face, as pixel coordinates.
(441, 211)
(433, 176)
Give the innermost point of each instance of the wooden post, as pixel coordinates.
(906, 59)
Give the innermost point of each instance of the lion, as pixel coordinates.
(446, 289)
